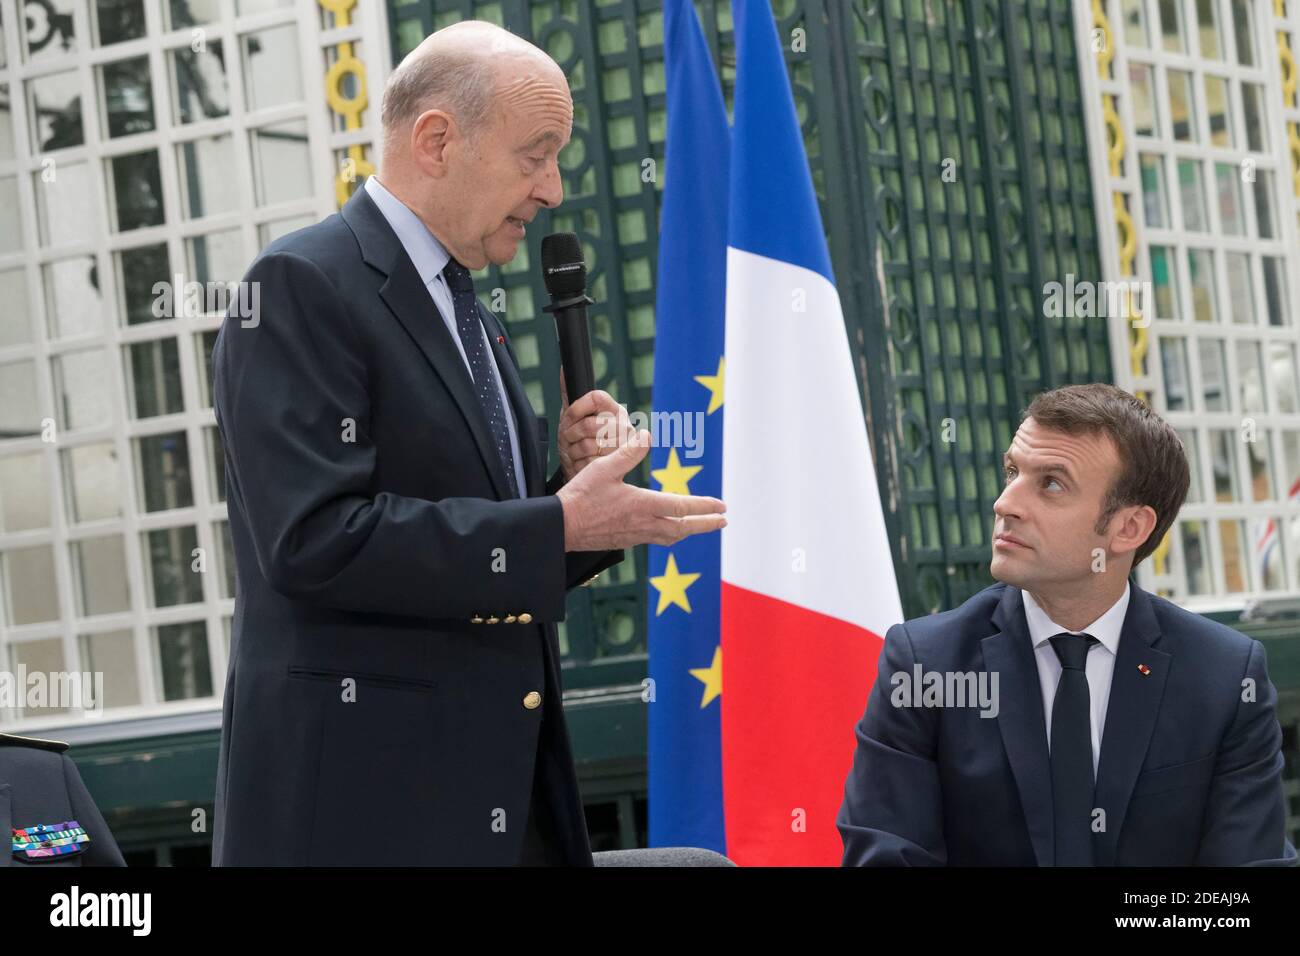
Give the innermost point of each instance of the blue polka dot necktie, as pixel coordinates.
(470, 329)
(1071, 752)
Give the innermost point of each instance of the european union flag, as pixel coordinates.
(685, 654)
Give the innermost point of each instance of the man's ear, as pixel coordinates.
(1132, 526)
(431, 134)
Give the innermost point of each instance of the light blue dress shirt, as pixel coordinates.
(430, 258)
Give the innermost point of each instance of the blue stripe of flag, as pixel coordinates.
(684, 751)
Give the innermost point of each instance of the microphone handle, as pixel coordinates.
(575, 349)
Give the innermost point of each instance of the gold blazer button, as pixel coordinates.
(532, 700)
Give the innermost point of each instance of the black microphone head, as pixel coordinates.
(563, 268)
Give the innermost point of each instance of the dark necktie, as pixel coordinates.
(470, 329)
(1071, 753)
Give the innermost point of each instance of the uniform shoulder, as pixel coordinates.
(1210, 637)
(329, 245)
(971, 615)
(38, 743)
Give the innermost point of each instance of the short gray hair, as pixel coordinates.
(461, 83)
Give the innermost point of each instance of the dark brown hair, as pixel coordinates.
(1152, 462)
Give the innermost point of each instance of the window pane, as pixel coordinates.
(135, 190)
(205, 343)
(1155, 206)
(138, 270)
(272, 74)
(67, 210)
(11, 222)
(1235, 568)
(118, 20)
(19, 406)
(245, 7)
(15, 323)
(128, 96)
(1241, 297)
(281, 162)
(54, 111)
(1171, 25)
(1232, 215)
(1282, 366)
(99, 575)
(216, 257)
(1250, 376)
(51, 35)
(163, 467)
(1216, 106)
(24, 492)
(1182, 112)
(83, 389)
(188, 13)
(7, 145)
(1164, 282)
(1264, 219)
(1252, 95)
(31, 591)
(1258, 455)
(1214, 374)
(72, 302)
(1269, 561)
(169, 559)
(1275, 289)
(1142, 89)
(1191, 445)
(1208, 29)
(1291, 462)
(113, 655)
(1192, 192)
(221, 531)
(268, 232)
(1194, 556)
(1173, 361)
(1133, 14)
(1200, 265)
(1223, 459)
(204, 168)
(200, 87)
(183, 660)
(154, 378)
(42, 657)
(1243, 27)
(216, 464)
(92, 477)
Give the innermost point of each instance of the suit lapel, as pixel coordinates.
(525, 417)
(410, 302)
(1131, 712)
(1021, 719)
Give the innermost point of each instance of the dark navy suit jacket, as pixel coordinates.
(377, 543)
(1189, 772)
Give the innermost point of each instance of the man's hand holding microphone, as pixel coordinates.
(597, 443)
(598, 446)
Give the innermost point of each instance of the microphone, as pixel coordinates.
(565, 273)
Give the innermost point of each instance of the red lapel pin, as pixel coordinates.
(501, 340)
(1146, 671)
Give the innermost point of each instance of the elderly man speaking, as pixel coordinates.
(394, 695)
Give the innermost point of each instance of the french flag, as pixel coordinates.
(808, 587)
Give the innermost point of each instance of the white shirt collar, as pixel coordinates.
(427, 254)
(1105, 629)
